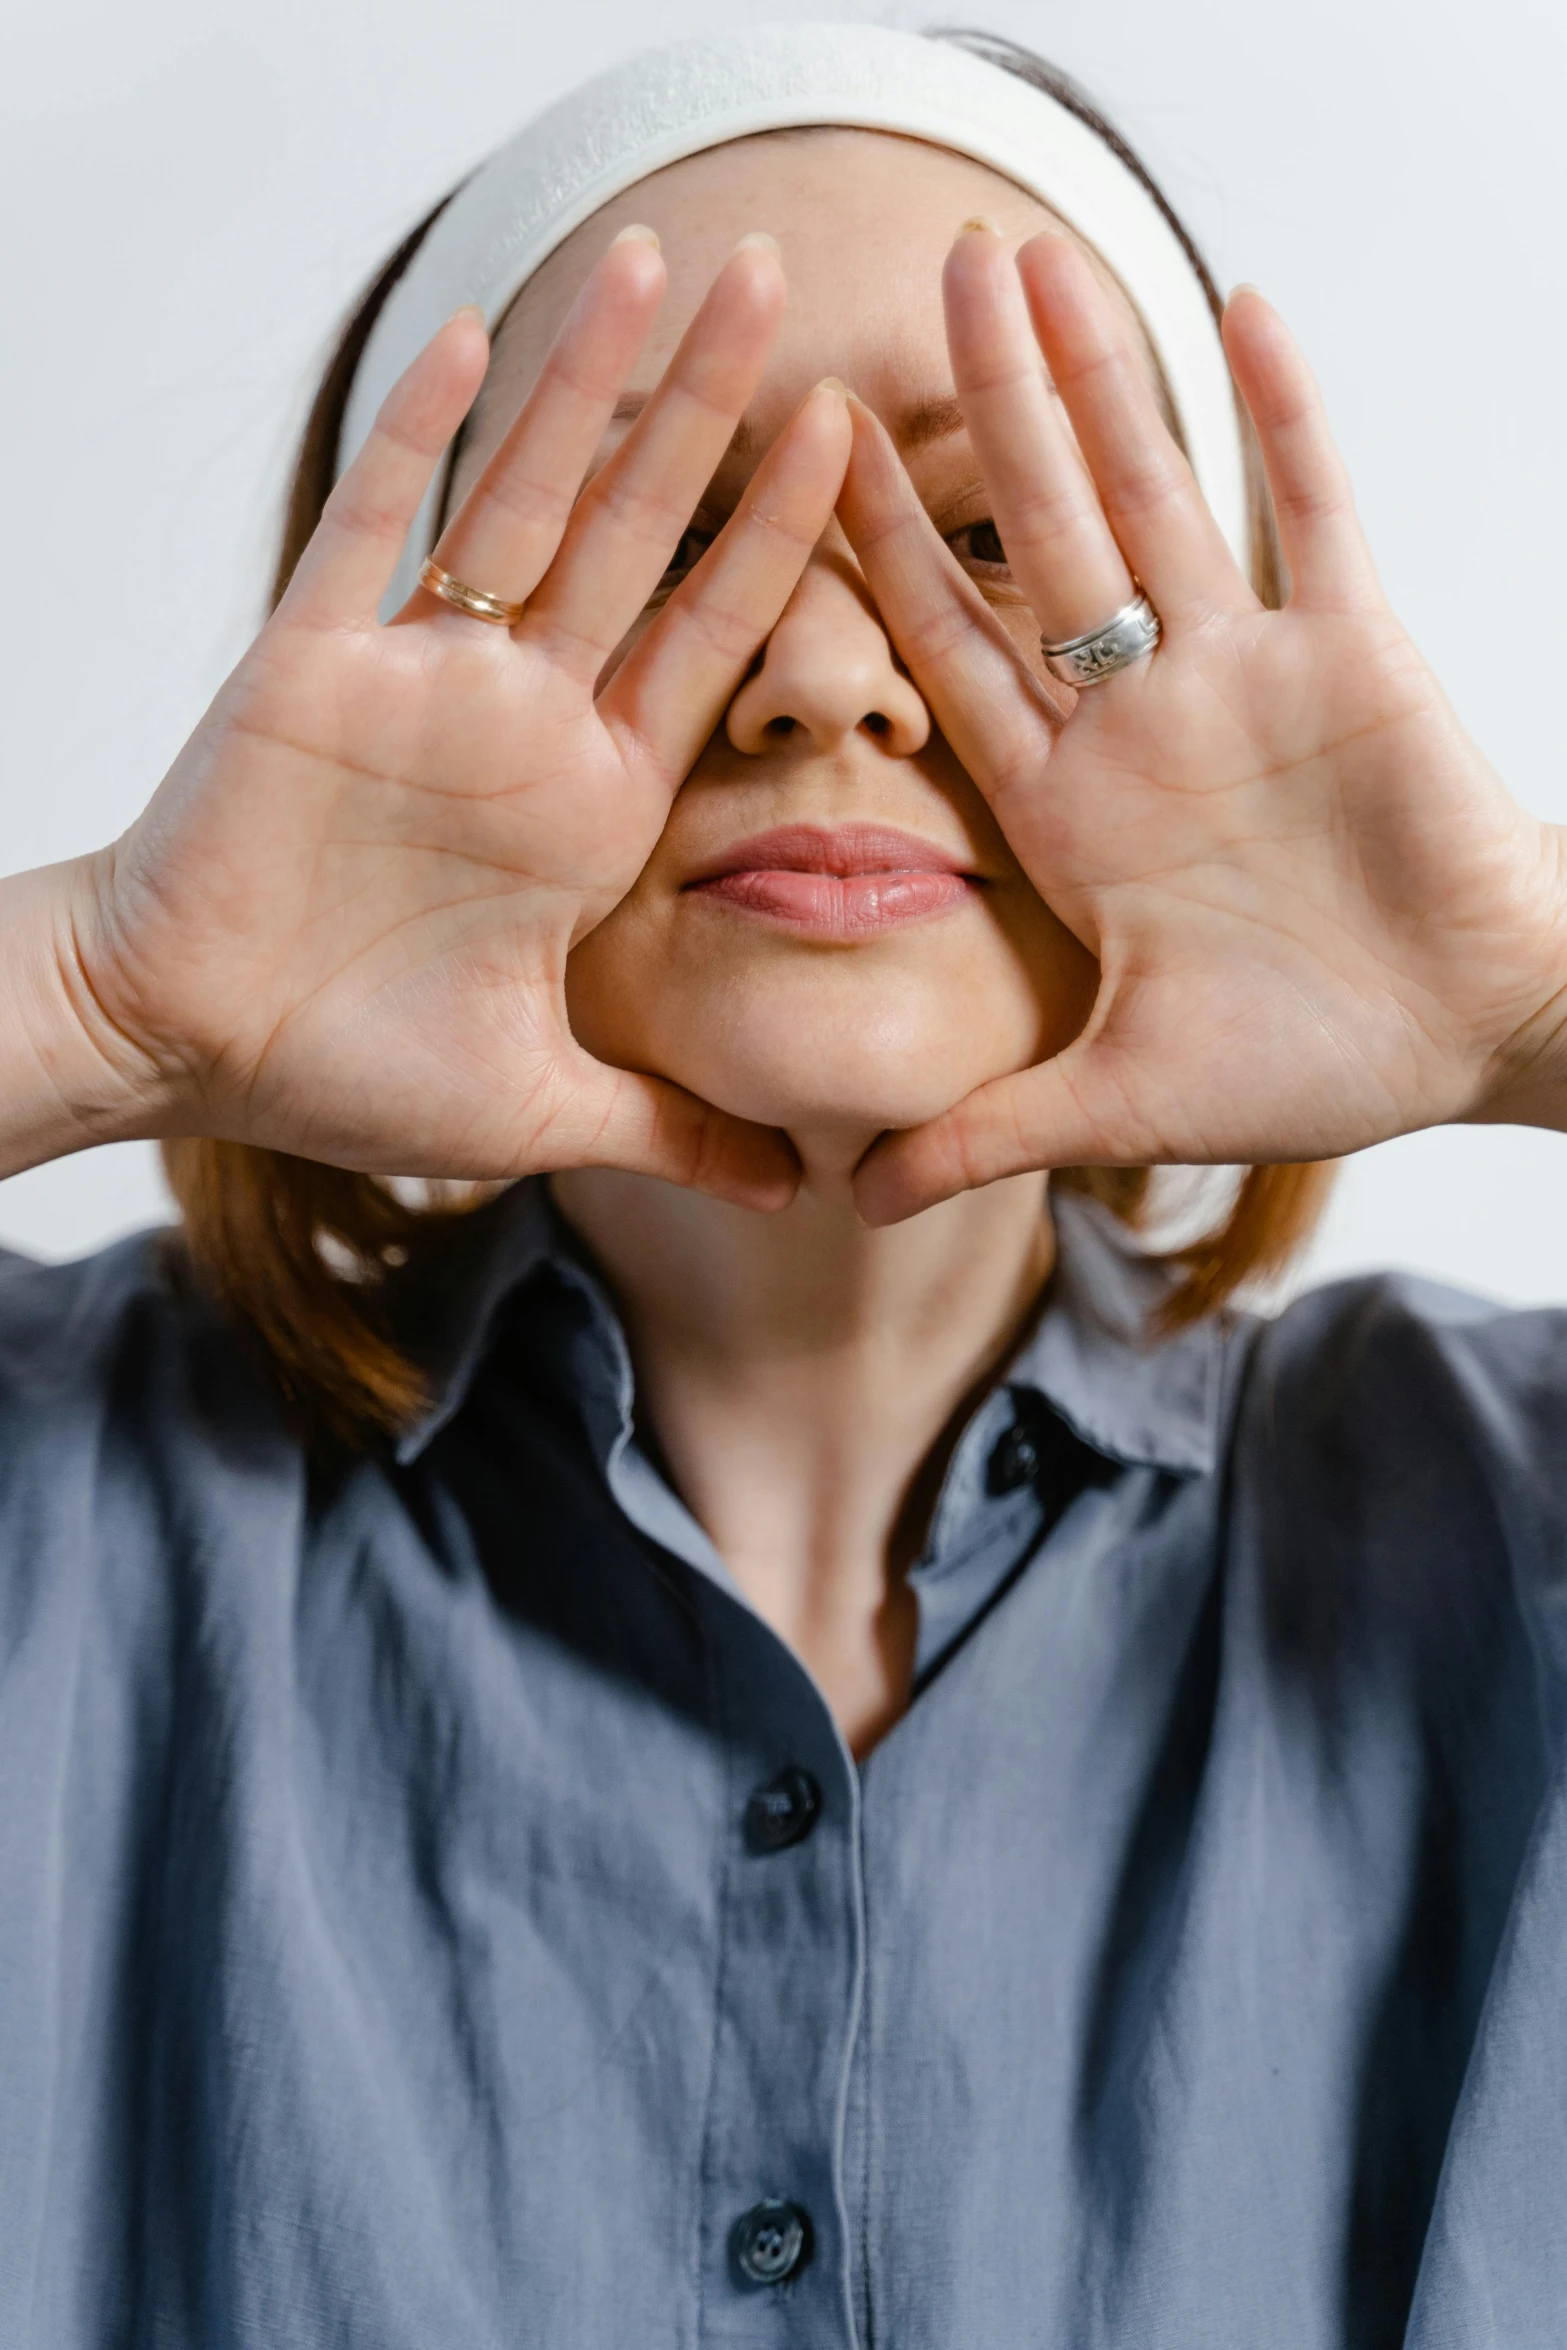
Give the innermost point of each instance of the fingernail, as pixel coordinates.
(833, 383)
(762, 242)
(467, 310)
(638, 234)
(979, 226)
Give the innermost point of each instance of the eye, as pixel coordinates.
(978, 542)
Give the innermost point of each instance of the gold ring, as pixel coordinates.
(478, 603)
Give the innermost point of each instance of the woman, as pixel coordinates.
(771, 1735)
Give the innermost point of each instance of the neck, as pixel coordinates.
(803, 1378)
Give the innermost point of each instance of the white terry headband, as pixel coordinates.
(672, 102)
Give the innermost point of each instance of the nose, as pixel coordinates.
(827, 671)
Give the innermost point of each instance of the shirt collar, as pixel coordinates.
(521, 1237)
(1098, 1357)
(1094, 1354)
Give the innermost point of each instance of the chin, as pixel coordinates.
(809, 1050)
(842, 1090)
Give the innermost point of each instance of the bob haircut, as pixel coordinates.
(333, 1271)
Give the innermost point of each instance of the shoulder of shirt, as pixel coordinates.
(1393, 1369)
(1400, 1451)
(52, 1315)
(1362, 1311)
(125, 1330)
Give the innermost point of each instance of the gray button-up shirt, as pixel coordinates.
(436, 1913)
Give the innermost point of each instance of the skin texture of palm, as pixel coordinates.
(1319, 917)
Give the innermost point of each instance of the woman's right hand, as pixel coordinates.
(340, 929)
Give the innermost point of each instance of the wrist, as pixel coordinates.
(1527, 1083)
(69, 1078)
(1530, 1088)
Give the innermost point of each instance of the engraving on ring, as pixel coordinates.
(1122, 639)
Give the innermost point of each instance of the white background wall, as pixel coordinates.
(193, 189)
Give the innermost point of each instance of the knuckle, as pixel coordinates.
(719, 628)
(641, 512)
(997, 381)
(705, 390)
(973, 1157)
(1293, 412)
(350, 511)
(1146, 481)
(700, 1145)
(562, 375)
(873, 535)
(1312, 503)
(778, 525)
(931, 635)
(1094, 362)
(575, 651)
(537, 505)
(1048, 512)
(394, 431)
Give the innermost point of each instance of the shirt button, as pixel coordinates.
(782, 1812)
(1014, 1461)
(771, 2241)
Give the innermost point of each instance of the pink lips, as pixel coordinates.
(848, 883)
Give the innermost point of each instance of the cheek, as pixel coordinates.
(877, 1035)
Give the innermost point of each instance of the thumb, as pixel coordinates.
(619, 1118)
(1073, 1111)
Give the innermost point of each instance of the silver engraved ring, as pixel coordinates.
(1119, 641)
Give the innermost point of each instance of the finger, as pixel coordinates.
(1069, 1112)
(628, 521)
(993, 711)
(673, 688)
(348, 565)
(508, 527)
(1324, 547)
(1149, 492)
(619, 1118)
(1060, 548)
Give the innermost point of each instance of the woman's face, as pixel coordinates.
(759, 961)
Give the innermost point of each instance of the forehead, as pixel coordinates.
(864, 220)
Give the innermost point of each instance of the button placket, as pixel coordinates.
(773, 2223)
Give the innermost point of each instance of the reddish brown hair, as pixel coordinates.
(322, 1263)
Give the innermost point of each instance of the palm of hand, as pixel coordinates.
(341, 927)
(361, 935)
(1318, 915)
(1320, 920)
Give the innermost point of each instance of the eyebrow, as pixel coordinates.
(926, 421)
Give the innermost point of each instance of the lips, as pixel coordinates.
(849, 882)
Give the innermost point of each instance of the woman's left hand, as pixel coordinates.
(1319, 917)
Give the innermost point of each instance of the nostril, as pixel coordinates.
(779, 726)
(875, 723)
